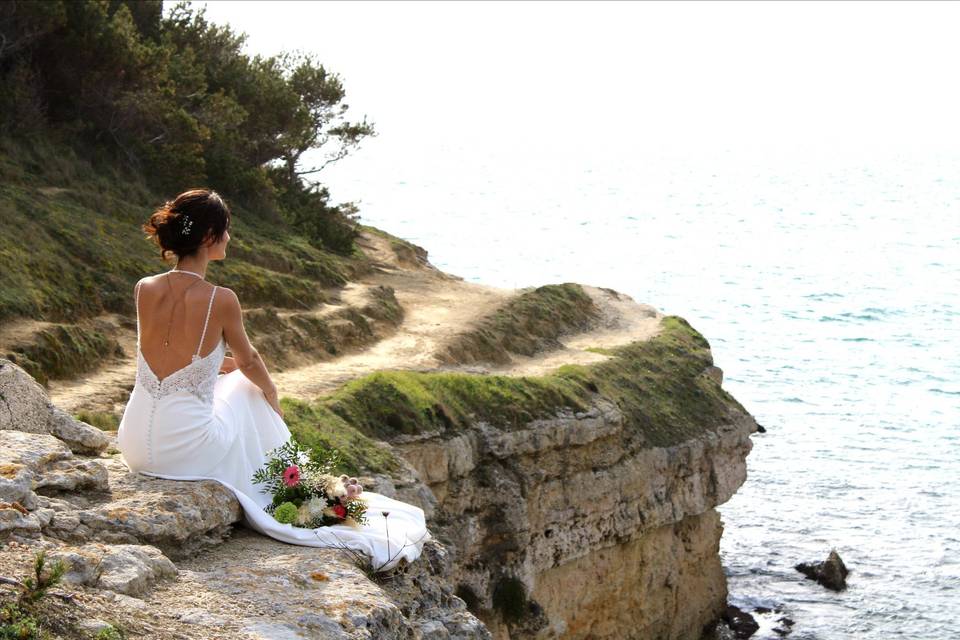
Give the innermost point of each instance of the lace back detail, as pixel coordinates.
(198, 378)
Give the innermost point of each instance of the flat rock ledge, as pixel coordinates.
(165, 559)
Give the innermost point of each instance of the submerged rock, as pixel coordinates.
(831, 573)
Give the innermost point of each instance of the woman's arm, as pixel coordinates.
(245, 356)
(229, 364)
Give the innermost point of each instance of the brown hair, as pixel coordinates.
(180, 225)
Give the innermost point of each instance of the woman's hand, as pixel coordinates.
(229, 364)
(274, 401)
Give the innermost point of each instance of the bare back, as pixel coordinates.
(179, 309)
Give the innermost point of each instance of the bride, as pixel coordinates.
(185, 421)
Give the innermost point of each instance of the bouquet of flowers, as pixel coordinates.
(305, 491)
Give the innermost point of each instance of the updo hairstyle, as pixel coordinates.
(181, 224)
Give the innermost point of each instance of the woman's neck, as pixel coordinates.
(196, 264)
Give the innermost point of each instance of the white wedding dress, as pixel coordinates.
(198, 425)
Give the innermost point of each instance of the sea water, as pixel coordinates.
(828, 286)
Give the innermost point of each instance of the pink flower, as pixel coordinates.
(291, 476)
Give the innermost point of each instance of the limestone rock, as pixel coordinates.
(715, 373)
(12, 521)
(101, 500)
(26, 407)
(289, 591)
(94, 626)
(35, 461)
(179, 517)
(126, 569)
(579, 498)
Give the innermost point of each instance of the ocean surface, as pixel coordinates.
(828, 285)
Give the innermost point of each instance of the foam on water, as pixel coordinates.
(829, 289)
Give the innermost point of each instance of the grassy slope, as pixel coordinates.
(76, 250)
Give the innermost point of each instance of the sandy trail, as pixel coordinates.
(437, 306)
(435, 309)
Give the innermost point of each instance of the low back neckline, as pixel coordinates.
(196, 357)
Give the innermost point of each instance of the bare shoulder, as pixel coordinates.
(227, 299)
(146, 282)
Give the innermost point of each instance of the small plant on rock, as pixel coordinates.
(109, 633)
(19, 618)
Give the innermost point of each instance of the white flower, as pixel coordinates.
(303, 514)
(334, 486)
(315, 506)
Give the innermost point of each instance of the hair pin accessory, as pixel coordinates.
(187, 224)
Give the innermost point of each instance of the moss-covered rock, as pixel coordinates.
(530, 322)
(659, 385)
(313, 424)
(63, 351)
(290, 339)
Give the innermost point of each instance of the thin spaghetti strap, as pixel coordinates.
(137, 305)
(209, 307)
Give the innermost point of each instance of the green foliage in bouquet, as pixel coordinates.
(304, 491)
(316, 460)
(286, 513)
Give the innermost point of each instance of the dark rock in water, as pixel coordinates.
(740, 622)
(831, 573)
(719, 631)
(785, 626)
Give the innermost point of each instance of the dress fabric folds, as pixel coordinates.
(196, 424)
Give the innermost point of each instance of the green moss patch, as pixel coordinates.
(510, 598)
(526, 324)
(387, 403)
(313, 424)
(106, 420)
(64, 351)
(657, 383)
(384, 305)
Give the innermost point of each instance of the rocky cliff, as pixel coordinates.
(568, 445)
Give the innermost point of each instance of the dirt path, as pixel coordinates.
(104, 389)
(437, 306)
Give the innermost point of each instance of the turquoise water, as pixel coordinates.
(829, 289)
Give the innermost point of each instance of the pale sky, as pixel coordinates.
(576, 75)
